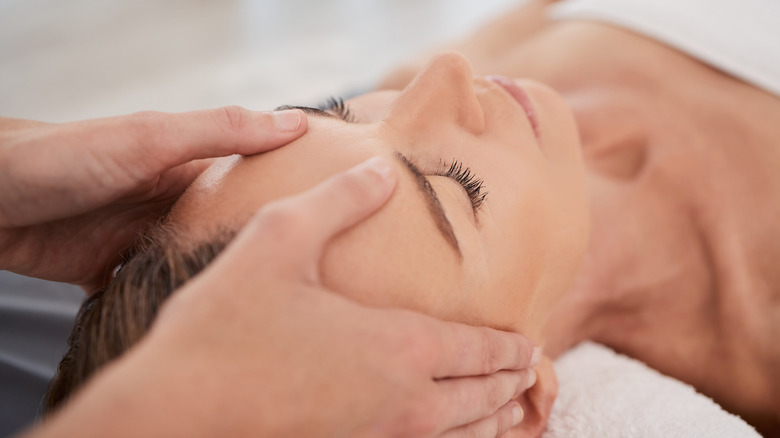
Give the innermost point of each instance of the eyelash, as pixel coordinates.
(336, 105)
(473, 185)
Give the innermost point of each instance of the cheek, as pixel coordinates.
(535, 239)
(395, 260)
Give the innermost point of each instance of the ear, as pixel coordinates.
(537, 402)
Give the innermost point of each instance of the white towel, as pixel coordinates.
(604, 394)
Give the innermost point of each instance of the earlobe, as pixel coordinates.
(537, 402)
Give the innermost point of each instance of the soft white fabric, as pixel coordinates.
(604, 394)
(740, 37)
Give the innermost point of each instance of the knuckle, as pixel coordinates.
(232, 118)
(480, 429)
(150, 133)
(148, 127)
(505, 420)
(490, 362)
(501, 423)
(495, 392)
(483, 430)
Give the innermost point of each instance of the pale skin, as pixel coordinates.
(77, 194)
(617, 298)
(518, 252)
(206, 351)
(682, 170)
(209, 366)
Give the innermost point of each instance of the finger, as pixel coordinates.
(294, 231)
(229, 130)
(9, 125)
(471, 399)
(175, 139)
(507, 417)
(464, 350)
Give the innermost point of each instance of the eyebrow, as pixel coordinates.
(309, 110)
(434, 205)
(435, 208)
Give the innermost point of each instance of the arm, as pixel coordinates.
(255, 346)
(75, 195)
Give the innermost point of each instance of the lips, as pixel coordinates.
(520, 96)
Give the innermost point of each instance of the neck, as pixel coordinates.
(683, 176)
(684, 203)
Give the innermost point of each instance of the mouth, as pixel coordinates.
(521, 97)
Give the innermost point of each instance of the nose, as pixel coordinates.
(443, 93)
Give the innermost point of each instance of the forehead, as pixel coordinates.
(396, 257)
(234, 187)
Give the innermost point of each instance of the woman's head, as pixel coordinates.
(503, 265)
(494, 241)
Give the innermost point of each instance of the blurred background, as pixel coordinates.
(63, 60)
(66, 60)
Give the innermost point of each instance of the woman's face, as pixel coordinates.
(436, 246)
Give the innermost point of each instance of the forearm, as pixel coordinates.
(136, 397)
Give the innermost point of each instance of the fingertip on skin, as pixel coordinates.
(289, 120)
(517, 413)
(182, 137)
(509, 416)
(531, 378)
(536, 357)
(337, 203)
(527, 379)
(383, 173)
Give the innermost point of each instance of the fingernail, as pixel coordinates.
(531, 379)
(536, 357)
(381, 167)
(517, 413)
(287, 120)
(525, 384)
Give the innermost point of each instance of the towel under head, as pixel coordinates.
(604, 394)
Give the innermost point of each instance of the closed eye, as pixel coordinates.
(334, 108)
(471, 183)
(337, 106)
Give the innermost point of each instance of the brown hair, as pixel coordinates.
(116, 317)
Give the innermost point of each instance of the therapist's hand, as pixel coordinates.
(255, 346)
(75, 195)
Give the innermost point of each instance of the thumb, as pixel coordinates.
(231, 130)
(287, 237)
(175, 139)
(147, 144)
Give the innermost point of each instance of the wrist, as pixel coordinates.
(155, 391)
(129, 399)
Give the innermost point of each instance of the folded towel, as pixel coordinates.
(604, 394)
